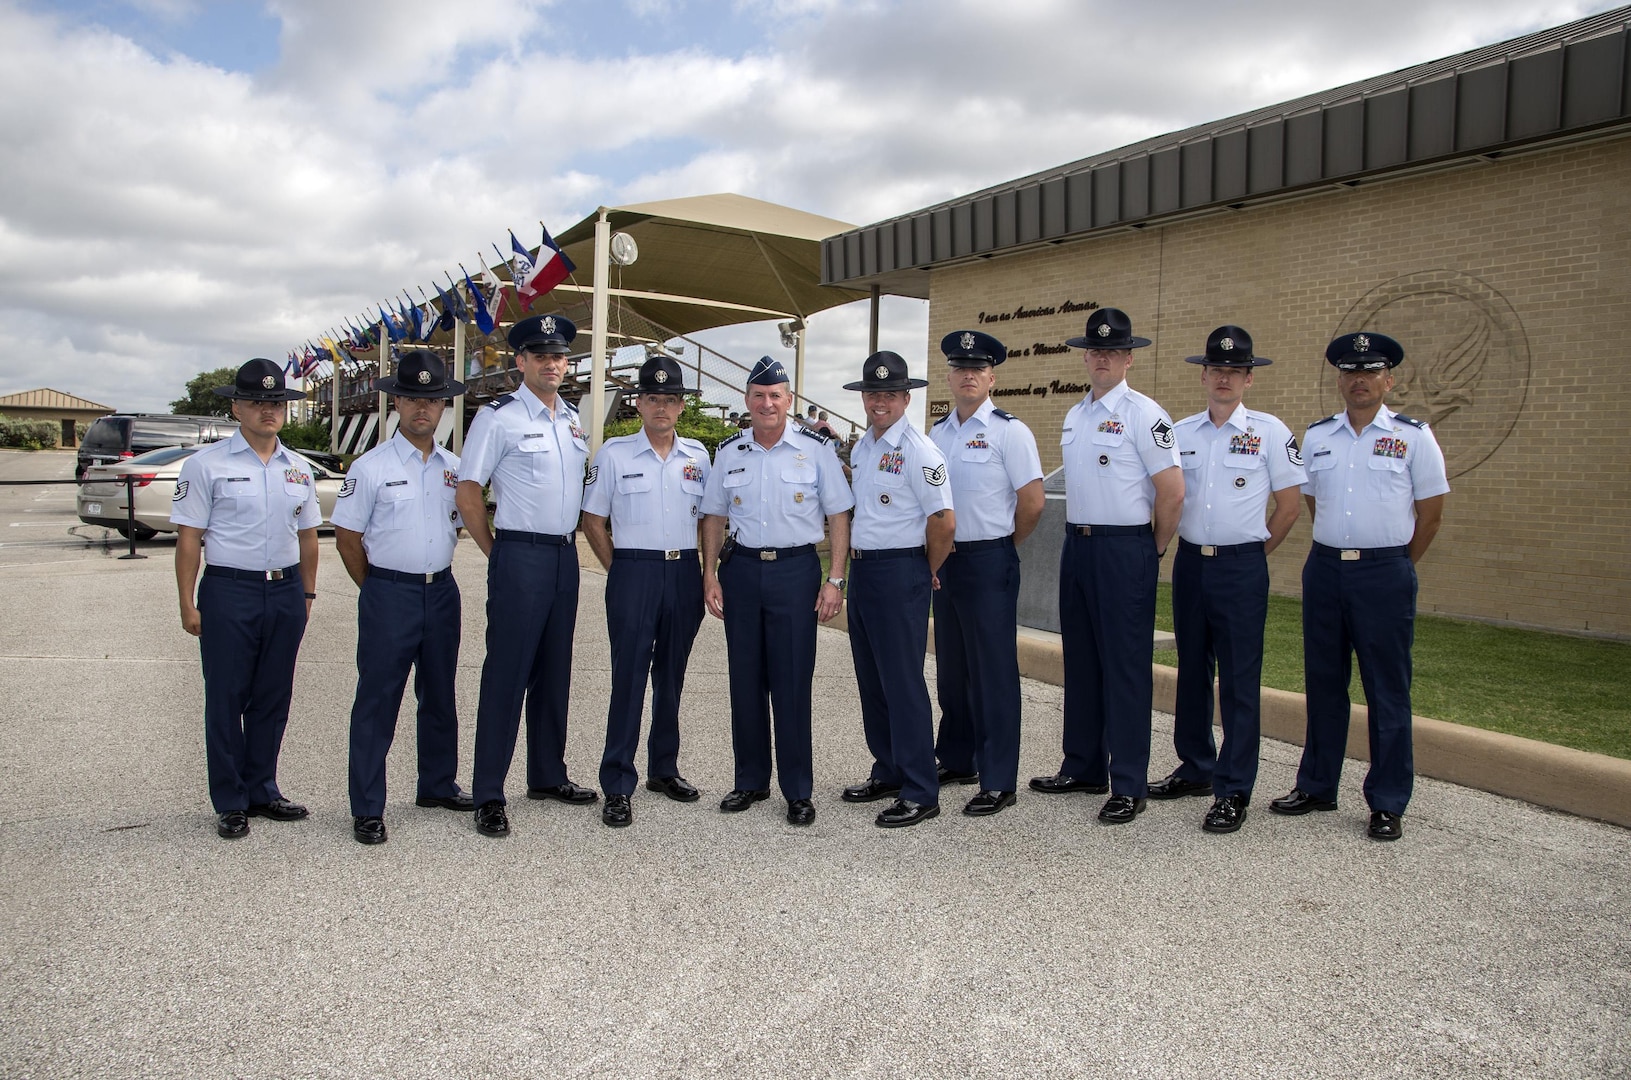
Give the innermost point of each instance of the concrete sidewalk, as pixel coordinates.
(1492, 940)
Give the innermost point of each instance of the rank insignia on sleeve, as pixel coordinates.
(347, 486)
(591, 476)
(181, 491)
(935, 477)
(1162, 431)
(1293, 454)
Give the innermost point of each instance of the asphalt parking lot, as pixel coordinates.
(1492, 940)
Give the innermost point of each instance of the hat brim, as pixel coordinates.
(285, 394)
(679, 391)
(1256, 361)
(972, 362)
(542, 344)
(907, 384)
(390, 386)
(1099, 343)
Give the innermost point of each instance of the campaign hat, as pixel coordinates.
(1108, 328)
(1229, 346)
(420, 373)
(662, 374)
(260, 380)
(885, 371)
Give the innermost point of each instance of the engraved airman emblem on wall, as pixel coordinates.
(1466, 365)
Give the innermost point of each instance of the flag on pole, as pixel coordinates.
(478, 303)
(495, 292)
(455, 300)
(415, 321)
(551, 268)
(446, 320)
(385, 322)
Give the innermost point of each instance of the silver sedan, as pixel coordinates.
(102, 495)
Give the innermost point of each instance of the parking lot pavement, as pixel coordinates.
(1490, 941)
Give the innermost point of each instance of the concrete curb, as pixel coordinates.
(1575, 781)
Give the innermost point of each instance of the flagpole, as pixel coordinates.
(597, 337)
(334, 407)
(384, 356)
(458, 402)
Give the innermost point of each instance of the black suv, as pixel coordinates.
(124, 435)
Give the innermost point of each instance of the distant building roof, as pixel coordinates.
(46, 398)
(1572, 81)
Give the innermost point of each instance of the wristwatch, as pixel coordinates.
(838, 581)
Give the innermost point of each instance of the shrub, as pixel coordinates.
(27, 434)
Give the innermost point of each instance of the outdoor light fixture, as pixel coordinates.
(790, 332)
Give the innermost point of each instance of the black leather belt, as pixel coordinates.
(1214, 550)
(671, 555)
(772, 554)
(549, 539)
(888, 553)
(1353, 554)
(1109, 530)
(409, 579)
(286, 574)
(981, 545)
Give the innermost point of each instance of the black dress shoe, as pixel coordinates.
(279, 809)
(567, 793)
(1120, 809)
(1385, 826)
(1300, 802)
(232, 824)
(905, 812)
(987, 803)
(677, 788)
(870, 791)
(368, 830)
(459, 800)
(617, 812)
(491, 820)
(800, 812)
(1058, 785)
(1226, 814)
(741, 799)
(1175, 787)
(952, 776)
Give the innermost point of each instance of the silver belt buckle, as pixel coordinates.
(274, 575)
(430, 578)
(767, 555)
(1208, 549)
(1350, 554)
(671, 555)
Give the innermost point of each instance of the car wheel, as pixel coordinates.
(142, 532)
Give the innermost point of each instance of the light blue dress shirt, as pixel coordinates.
(780, 497)
(899, 479)
(653, 503)
(1111, 448)
(533, 458)
(403, 505)
(1366, 483)
(1230, 472)
(251, 511)
(989, 457)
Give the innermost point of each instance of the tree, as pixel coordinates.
(201, 400)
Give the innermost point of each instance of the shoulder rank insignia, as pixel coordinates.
(1293, 454)
(347, 486)
(1006, 415)
(591, 476)
(727, 440)
(816, 435)
(181, 491)
(934, 477)
(1323, 420)
(1412, 421)
(1162, 432)
(940, 421)
(501, 401)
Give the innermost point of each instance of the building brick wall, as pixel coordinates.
(1509, 285)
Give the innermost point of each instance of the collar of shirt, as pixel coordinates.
(1237, 419)
(892, 437)
(524, 394)
(642, 445)
(981, 415)
(1110, 402)
(1383, 419)
(407, 451)
(237, 444)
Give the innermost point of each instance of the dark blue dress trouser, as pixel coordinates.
(770, 635)
(888, 632)
(532, 610)
(1365, 608)
(251, 634)
(653, 611)
(403, 625)
(1107, 626)
(1219, 605)
(976, 655)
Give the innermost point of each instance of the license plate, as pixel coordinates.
(93, 509)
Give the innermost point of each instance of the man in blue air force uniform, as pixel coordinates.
(250, 504)
(995, 476)
(1121, 470)
(1376, 488)
(1234, 460)
(395, 526)
(773, 484)
(903, 529)
(647, 488)
(530, 446)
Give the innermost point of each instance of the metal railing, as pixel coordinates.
(129, 480)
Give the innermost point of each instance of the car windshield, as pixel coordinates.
(163, 456)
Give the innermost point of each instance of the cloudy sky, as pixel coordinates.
(185, 183)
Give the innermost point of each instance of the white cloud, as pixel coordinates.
(163, 216)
